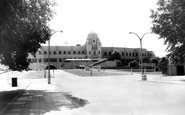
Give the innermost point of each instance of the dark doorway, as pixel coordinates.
(180, 70)
(51, 67)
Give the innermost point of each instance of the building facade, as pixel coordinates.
(91, 50)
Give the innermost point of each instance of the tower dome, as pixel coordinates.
(92, 35)
(93, 38)
(93, 46)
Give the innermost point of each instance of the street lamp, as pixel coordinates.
(49, 77)
(143, 76)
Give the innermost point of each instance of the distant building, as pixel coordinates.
(91, 50)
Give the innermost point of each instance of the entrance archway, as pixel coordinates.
(180, 70)
(51, 67)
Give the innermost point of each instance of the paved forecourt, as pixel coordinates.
(34, 96)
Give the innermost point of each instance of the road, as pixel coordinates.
(110, 95)
(123, 95)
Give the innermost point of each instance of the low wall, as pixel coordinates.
(71, 65)
(109, 64)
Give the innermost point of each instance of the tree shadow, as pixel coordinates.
(76, 101)
(37, 102)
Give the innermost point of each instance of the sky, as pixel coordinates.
(112, 20)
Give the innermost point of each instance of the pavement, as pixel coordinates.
(179, 80)
(37, 97)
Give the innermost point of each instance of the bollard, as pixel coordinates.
(144, 78)
(14, 82)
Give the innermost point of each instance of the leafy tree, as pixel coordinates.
(116, 55)
(169, 23)
(163, 65)
(155, 60)
(146, 60)
(133, 63)
(23, 26)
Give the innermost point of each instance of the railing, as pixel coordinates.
(138, 70)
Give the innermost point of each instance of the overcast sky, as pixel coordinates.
(112, 20)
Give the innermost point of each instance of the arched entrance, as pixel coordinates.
(51, 67)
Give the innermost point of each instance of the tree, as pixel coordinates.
(155, 60)
(116, 55)
(146, 60)
(169, 23)
(163, 65)
(23, 26)
(133, 63)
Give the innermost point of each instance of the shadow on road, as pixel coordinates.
(76, 101)
(37, 102)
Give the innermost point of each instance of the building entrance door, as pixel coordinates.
(180, 70)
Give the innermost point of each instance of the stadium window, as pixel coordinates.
(45, 52)
(69, 52)
(130, 54)
(122, 53)
(53, 59)
(60, 60)
(99, 52)
(40, 60)
(83, 52)
(54, 52)
(126, 54)
(59, 52)
(78, 52)
(34, 60)
(74, 52)
(64, 52)
(133, 54)
(109, 53)
(105, 53)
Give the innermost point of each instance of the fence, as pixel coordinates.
(138, 70)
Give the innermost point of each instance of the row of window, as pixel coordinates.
(125, 54)
(94, 52)
(39, 60)
(64, 52)
(90, 52)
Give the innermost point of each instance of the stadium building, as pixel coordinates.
(75, 56)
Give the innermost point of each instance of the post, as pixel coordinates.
(44, 72)
(169, 67)
(44, 66)
(143, 76)
(91, 70)
(49, 77)
(141, 54)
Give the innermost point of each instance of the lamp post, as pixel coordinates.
(49, 77)
(143, 76)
